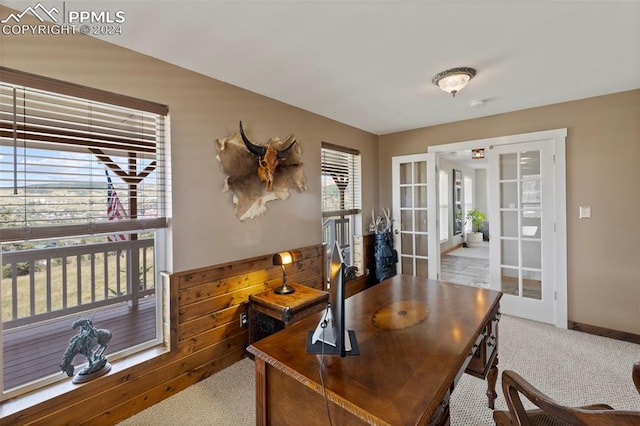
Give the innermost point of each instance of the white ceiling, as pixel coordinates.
(369, 64)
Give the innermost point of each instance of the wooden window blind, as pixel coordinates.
(341, 181)
(61, 144)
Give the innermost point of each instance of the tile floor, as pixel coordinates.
(474, 271)
(465, 270)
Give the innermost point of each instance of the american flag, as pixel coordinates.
(115, 211)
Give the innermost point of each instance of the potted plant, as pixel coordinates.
(477, 218)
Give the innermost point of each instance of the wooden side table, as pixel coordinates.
(270, 312)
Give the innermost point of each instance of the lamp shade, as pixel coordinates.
(454, 80)
(282, 258)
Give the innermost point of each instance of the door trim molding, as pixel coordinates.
(558, 136)
(555, 134)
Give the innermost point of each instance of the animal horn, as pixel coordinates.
(259, 151)
(283, 154)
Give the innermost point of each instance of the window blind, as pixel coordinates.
(341, 181)
(64, 157)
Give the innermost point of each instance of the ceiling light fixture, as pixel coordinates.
(477, 154)
(453, 80)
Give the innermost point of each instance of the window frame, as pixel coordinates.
(157, 224)
(338, 160)
(468, 201)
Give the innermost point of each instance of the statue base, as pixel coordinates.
(82, 377)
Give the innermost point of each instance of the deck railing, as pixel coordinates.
(46, 283)
(338, 229)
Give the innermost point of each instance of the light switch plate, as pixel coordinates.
(585, 212)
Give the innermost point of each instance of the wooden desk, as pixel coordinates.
(285, 309)
(416, 338)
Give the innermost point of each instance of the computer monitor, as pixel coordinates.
(330, 336)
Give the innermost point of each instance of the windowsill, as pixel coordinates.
(33, 398)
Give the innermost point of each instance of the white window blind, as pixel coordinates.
(60, 144)
(340, 180)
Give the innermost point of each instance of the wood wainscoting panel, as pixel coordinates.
(356, 286)
(206, 337)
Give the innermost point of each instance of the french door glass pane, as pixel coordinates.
(509, 224)
(530, 191)
(421, 220)
(531, 223)
(531, 254)
(406, 197)
(532, 284)
(422, 267)
(509, 252)
(405, 173)
(406, 220)
(420, 172)
(421, 197)
(508, 166)
(508, 195)
(407, 244)
(407, 265)
(509, 279)
(530, 163)
(421, 245)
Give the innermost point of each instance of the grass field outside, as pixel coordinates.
(72, 281)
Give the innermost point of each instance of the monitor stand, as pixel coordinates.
(324, 332)
(322, 340)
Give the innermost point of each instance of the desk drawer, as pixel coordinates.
(487, 345)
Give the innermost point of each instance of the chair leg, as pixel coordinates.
(635, 373)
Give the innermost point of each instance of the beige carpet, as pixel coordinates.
(572, 367)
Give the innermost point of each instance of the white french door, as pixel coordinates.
(414, 210)
(521, 214)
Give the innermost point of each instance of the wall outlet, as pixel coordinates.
(244, 319)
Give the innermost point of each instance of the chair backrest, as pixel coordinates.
(635, 373)
(513, 385)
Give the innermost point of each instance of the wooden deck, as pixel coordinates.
(33, 352)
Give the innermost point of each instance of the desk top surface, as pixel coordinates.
(413, 334)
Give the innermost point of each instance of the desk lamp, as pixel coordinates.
(284, 258)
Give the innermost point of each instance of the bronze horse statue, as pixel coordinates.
(90, 342)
